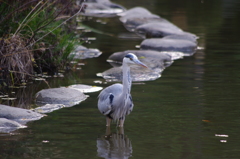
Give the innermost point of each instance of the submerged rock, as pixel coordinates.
(82, 52)
(101, 8)
(67, 96)
(18, 114)
(165, 44)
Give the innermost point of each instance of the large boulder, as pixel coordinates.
(66, 96)
(18, 114)
(164, 44)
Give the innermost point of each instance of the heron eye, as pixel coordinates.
(131, 59)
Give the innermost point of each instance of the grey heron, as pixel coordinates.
(115, 101)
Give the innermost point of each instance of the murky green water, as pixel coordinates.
(191, 112)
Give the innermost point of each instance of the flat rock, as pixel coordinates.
(101, 8)
(18, 114)
(135, 12)
(82, 52)
(158, 29)
(151, 58)
(138, 73)
(66, 96)
(164, 44)
(138, 16)
(156, 62)
(7, 125)
(183, 36)
(48, 108)
(85, 88)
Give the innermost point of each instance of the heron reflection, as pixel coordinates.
(114, 145)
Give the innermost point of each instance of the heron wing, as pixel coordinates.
(106, 97)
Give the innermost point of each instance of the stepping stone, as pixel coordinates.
(185, 46)
(101, 8)
(66, 96)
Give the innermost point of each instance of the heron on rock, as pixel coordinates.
(115, 101)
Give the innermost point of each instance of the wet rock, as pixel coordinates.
(135, 12)
(138, 16)
(165, 44)
(158, 29)
(67, 96)
(138, 73)
(7, 126)
(151, 58)
(101, 8)
(156, 62)
(183, 36)
(48, 108)
(18, 114)
(82, 52)
(85, 88)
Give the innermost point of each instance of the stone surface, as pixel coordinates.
(67, 96)
(48, 108)
(158, 29)
(138, 73)
(135, 12)
(85, 88)
(183, 36)
(18, 114)
(7, 125)
(151, 58)
(138, 16)
(158, 44)
(101, 8)
(82, 52)
(156, 62)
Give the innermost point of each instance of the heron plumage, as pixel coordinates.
(115, 101)
(113, 108)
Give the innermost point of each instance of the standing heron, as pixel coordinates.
(115, 101)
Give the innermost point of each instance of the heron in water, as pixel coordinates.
(115, 101)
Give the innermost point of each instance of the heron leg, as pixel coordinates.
(108, 121)
(121, 122)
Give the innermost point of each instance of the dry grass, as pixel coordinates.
(16, 58)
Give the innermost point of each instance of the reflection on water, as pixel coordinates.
(114, 145)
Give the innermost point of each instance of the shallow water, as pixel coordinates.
(192, 111)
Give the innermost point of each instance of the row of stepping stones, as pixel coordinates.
(165, 42)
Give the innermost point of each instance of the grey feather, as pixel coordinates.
(115, 101)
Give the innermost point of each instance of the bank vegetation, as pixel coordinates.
(34, 38)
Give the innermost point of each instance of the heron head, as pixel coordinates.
(130, 58)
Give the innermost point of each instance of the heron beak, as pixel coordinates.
(140, 63)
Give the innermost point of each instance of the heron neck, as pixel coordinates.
(127, 81)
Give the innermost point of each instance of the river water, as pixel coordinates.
(191, 112)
